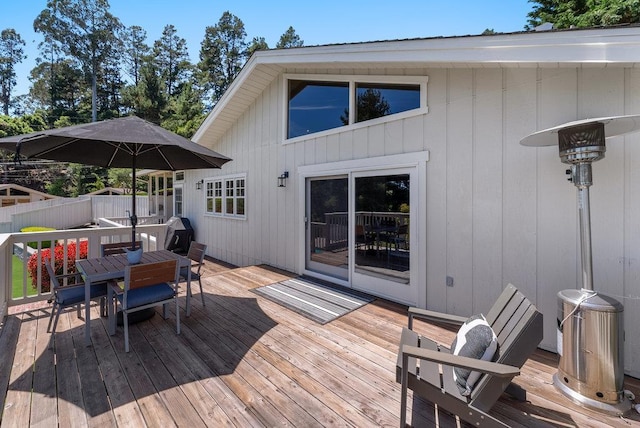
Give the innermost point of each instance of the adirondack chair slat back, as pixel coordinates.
(518, 326)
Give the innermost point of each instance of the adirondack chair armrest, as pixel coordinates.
(433, 316)
(446, 359)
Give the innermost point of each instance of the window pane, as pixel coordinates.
(218, 205)
(317, 106)
(382, 239)
(209, 205)
(177, 198)
(240, 206)
(229, 206)
(377, 100)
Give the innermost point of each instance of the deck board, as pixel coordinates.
(244, 361)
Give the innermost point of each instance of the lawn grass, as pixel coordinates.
(16, 275)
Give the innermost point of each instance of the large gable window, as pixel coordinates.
(225, 196)
(376, 100)
(322, 103)
(317, 106)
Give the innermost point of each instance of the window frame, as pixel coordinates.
(352, 80)
(216, 189)
(178, 200)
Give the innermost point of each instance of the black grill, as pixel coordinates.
(179, 235)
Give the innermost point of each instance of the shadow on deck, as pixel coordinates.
(240, 361)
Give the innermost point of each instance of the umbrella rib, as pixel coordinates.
(51, 149)
(117, 147)
(157, 147)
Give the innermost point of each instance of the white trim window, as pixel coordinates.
(226, 196)
(177, 200)
(321, 104)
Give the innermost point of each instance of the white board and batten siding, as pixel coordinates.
(497, 212)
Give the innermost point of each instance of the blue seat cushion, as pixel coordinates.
(75, 295)
(145, 295)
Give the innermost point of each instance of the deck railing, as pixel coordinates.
(333, 233)
(65, 213)
(18, 286)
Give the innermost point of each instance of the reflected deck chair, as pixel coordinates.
(427, 368)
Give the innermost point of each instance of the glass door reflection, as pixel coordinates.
(381, 233)
(328, 226)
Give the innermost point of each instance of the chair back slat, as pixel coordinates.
(197, 251)
(499, 304)
(511, 313)
(52, 275)
(146, 274)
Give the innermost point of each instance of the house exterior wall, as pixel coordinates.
(497, 212)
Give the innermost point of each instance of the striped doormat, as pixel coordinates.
(319, 302)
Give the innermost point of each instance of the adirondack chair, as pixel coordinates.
(427, 368)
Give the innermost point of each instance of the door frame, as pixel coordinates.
(417, 160)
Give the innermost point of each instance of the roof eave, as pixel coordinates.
(596, 47)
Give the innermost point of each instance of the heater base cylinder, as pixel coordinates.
(615, 409)
(590, 345)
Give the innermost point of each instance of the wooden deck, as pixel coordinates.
(240, 361)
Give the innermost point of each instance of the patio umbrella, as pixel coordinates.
(120, 143)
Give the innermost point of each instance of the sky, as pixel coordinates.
(316, 22)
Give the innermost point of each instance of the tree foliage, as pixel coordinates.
(135, 51)
(289, 40)
(583, 13)
(172, 60)
(223, 52)
(11, 53)
(91, 67)
(84, 30)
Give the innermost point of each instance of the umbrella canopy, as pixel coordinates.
(126, 142)
(114, 143)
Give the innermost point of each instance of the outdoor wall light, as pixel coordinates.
(199, 184)
(282, 180)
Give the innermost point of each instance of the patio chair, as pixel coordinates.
(196, 253)
(145, 285)
(68, 290)
(364, 238)
(429, 369)
(116, 247)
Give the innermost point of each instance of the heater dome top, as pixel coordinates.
(613, 126)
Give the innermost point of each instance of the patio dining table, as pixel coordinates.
(112, 267)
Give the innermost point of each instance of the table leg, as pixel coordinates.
(87, 312)
(188, 312)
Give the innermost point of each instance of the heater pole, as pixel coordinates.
(581, 176)
(585, 238)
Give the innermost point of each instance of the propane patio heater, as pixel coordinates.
(590, 325)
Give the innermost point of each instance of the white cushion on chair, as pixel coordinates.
(475, 339)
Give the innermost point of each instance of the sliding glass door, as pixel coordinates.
(360, 231)
(327, 226)
(381, 241)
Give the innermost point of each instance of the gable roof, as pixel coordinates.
(12, 186)
(601, 47)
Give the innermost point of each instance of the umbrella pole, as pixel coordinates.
(134, 217)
